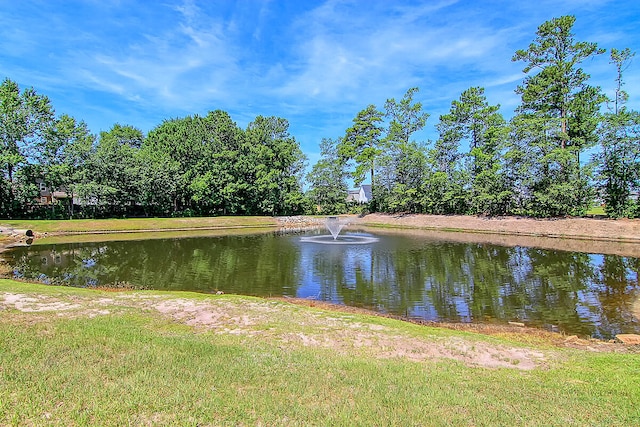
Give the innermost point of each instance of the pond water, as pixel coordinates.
(401, 274)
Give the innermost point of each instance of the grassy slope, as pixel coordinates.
(93, 225)
(137, 367)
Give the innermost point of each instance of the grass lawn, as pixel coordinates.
(83, 357)
(596, 210)
(132, 224)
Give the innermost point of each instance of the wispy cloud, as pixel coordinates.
(186, 64)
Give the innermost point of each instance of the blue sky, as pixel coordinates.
(315, 63)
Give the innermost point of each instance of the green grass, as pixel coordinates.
(132, 224)
(137, 367)
(596, 210)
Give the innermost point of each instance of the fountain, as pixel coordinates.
(335, 225)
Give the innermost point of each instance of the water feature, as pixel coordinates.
(417, 276)
(335, 225)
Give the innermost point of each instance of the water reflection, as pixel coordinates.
(432, 279)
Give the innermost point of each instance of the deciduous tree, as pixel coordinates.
(111, 183)
(277, 165)
(24, 118)
(63, 154)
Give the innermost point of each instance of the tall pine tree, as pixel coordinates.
(556, 121)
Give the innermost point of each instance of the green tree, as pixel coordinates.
(400, 177)
(362, 143)
(619, 157)
(229, 160)
(24, 118)
(214, 167)
(171, 143)
(442, 192)
(446, 188)
(216, 183)
(62, 154)
(407, 117)
(328, 180)
(402, 163)
(160, 180)
(276, 166)
(556, 121)
(110, 181)
(206, 169)
(472, 120)
(6, 199)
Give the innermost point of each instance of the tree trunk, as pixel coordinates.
(71, 207)
(563, 118)
(372, 168)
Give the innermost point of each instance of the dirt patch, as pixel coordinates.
(34, 304)
(472, 353)
(290, 325)
(220, 316)
(5, 269)
(341, 334)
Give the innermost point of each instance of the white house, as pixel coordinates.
(360, 195)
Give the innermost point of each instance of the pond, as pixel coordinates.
(416, 275)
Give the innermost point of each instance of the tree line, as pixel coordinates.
(183, 167)
(535, 164)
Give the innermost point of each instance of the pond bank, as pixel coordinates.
(618, 230)
(11, 230)
(606, 236)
